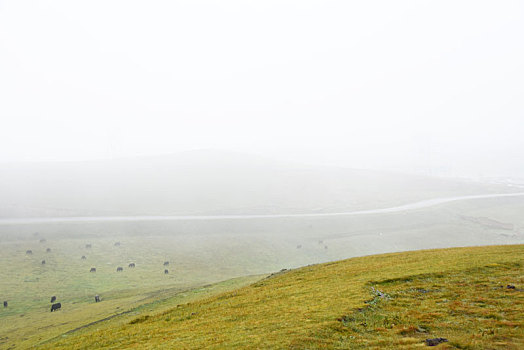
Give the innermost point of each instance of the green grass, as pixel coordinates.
(455, 293)
(28, 285)
(203, 253)
(41, 326)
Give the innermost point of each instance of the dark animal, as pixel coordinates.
(53, 299)
(97, 298)
(93, 269)
(83, 257)
(88, 246)
(29, 252)
(299, 246)
(166, 263)
(510, 286)
(119, 269)
(166, 271)
(320, 241)
(55, 307)
(435, 341)
(43, 262)
(117, 244)
(131, 265)
(325, 247)
(48, 250)
(43, 240)
(5, 303)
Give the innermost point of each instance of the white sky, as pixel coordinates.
(389, 84)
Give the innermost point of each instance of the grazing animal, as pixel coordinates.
(119, 269)
(93, 269)
(299, 246)
(5, 303)
(117, 244)
(43, 262)
(166, 271)
(55, 307)
(320, 241)
(325, 247)
(132, 265)
(88, 246)
(28, 252)
(166, 263)
(83, 257)
(48, 250)
(97, 298)
(435, 341)
(53, 299)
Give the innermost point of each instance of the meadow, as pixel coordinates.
(472, 297)
(230, 252)
(28, 285)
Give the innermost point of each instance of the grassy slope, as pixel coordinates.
(456, 293)
(28, 285)
(39, 325)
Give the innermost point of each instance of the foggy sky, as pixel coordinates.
(432, 86)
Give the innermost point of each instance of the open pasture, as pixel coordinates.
(203, 253)
(28, 285)
(472, 297)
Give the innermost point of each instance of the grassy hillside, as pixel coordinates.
(24, 330)
(383, 301)
(203, 253)
(28, 285)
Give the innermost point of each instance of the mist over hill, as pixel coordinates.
(209, 182)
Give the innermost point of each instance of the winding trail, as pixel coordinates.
(400, 208)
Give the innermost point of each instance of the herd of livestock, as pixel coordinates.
(57, 306)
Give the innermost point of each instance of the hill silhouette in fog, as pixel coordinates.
(208, 182)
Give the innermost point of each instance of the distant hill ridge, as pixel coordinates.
(209, 182)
